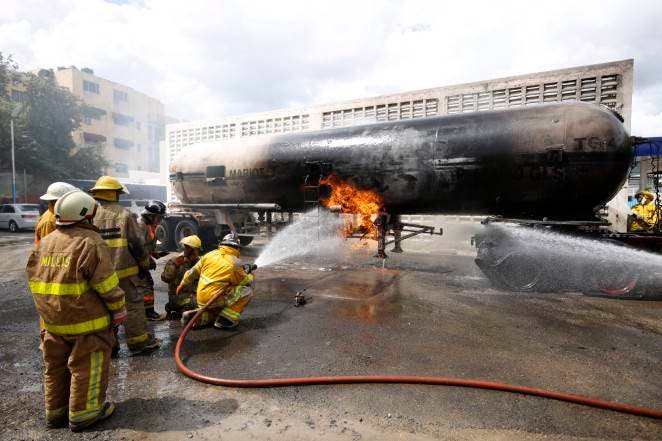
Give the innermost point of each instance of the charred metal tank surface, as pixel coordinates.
(558, 161)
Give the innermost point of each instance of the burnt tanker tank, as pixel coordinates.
(559, 161)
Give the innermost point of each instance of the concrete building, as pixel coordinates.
(128, 124)
(609, 84)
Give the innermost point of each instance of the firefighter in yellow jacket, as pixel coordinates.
(46, 222)
(644, 213)
(77, 295)
(119, 228)
(173, 273)
(220, 270)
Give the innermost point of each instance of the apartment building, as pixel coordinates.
(127, 124)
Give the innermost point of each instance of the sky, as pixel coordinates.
(206, 59)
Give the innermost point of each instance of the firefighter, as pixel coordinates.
(644, 216)
(173, 273)
(119, 228)
(220, 270)
(46, 222)
(77, 295)
(149, 219)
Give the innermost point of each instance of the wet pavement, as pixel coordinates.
(422, 313)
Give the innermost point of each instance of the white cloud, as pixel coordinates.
(206, 58)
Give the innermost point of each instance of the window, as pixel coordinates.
(93, 138)
(123, 144)
(121, 168)
(120, 96)
(121, 119)
(7, 209)
(89, 86)
(17, 96)
(90, 113)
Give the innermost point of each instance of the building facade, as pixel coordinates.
(127, 124)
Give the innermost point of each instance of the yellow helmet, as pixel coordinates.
(109, 183)
(646, 194)
(73, 207)
(193, 241)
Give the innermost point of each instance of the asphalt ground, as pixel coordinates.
(422, 313)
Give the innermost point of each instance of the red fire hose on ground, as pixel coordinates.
(402, 379)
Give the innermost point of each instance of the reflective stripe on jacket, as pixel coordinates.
(73, 281)
(120, 230)
(217, 270)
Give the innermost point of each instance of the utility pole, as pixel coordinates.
(14, 114)
(13, 162)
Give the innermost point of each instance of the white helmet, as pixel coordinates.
(74, 207)
(56, 190)
(231, 240)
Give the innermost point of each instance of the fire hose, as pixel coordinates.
(399, 379)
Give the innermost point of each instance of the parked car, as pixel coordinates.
(16, 217)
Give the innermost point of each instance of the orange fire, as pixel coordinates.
(362, 203)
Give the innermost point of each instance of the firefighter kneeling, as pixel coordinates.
(220, 270)
(76, 291)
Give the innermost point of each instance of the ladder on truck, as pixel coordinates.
(311, 190)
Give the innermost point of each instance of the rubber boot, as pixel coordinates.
(105, 412)
(154, 316)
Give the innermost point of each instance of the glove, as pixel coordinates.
(180, 288)
(119, 317)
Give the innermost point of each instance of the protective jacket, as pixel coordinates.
(217, 270)
(149, 236)
(45, 225)
(73, 282)
(174, 272)
(645, 216)
(120, 230)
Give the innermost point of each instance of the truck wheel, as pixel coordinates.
(617, 281)
(184, 228)
(163, 237)
(245, 240)
(521, 272)
(13, 227)
(613, 279)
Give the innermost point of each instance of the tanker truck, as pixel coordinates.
(550, 165)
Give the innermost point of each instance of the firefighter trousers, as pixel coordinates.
(135, 327)
(146, 288)
(231, 307)
(75, 374)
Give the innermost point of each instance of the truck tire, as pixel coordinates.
(185, 227)
(208, 238)
(245, 240)
(163, 237)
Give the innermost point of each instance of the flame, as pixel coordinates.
(364, 204)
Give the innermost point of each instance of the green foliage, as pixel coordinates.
(43, 129)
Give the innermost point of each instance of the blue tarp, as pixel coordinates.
(651, 148)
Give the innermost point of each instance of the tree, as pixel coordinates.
(48, 117)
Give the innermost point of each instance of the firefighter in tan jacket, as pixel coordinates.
(77, 295)
(149, 219)
(119, 228)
